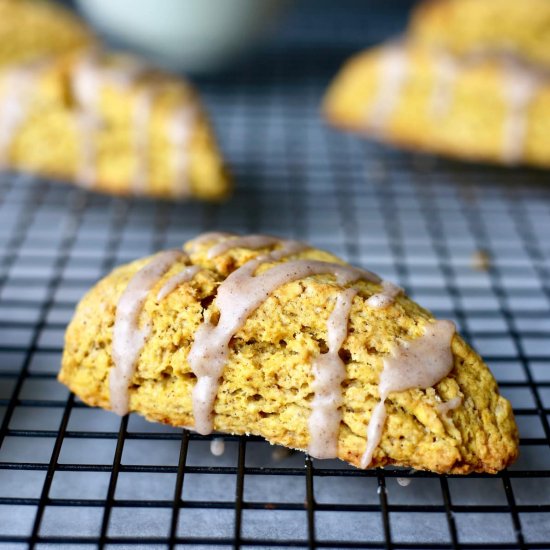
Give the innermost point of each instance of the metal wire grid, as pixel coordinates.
(71, 476)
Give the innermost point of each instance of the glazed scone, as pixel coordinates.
(109, 122)
(469, 79)
(32, 29)
(104, 121)
(257, 335)
(466, 27)
(482, 108)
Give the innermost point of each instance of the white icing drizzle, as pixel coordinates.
(238, 296)
(179, 133)
(521, 83)
(329, 372)
(86, 86)
(217, 446)
(185, 275)
(87, 125)
(394, 69)
(445, 408)
(141, 118)
(420, 363)
(85, 80)
(385, 298)
(88, 78)
(288, 248)
(447, 69)
(92, 72)
(15, 102)
(209, 237)
(128, 338)
(250, 241)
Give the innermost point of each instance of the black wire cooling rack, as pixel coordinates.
(469, 242)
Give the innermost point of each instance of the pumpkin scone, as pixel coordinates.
(469, 96)
(258, 335)
(107, 122)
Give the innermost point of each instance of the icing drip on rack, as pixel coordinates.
(15, 103)
(217, 446)
(240, 294)
(329, 372)
(128, 337)
(420, 363)
(394, 69)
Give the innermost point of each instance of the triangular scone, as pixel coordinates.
(110, 123)
(104, 121)
(474, 27)
(305, 368)
(32, 29)
(482, 108)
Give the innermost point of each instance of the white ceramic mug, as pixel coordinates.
(193, 35)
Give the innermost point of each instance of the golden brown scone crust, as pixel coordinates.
(471, 127)
(469, 26)
(266, 385)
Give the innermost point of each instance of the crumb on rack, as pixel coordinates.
(481, 260)
(280, 453)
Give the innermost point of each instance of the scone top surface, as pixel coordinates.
(272, 378)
